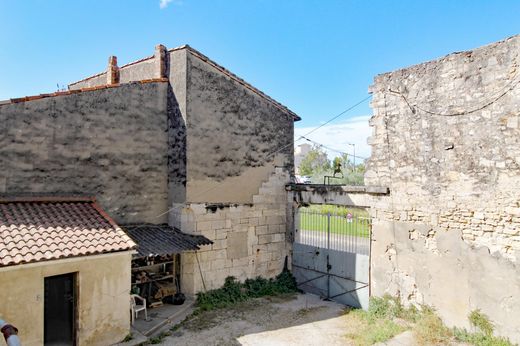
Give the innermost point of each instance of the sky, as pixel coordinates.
(316, 57)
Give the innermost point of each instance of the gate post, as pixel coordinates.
(328, 251)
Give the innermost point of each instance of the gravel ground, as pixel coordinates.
(300, 319)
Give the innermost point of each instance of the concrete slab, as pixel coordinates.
(166, 315)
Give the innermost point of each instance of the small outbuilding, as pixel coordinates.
(65, 269)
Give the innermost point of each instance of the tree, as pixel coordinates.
(316, 161)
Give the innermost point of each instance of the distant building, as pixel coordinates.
(299, 153)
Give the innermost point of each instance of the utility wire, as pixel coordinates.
(291, 143)
(502, 93)
(336, 150)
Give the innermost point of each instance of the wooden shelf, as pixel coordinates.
(162, 278)
(150, 266)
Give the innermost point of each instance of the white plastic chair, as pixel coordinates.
(134, 308)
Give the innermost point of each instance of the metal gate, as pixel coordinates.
(331, 256)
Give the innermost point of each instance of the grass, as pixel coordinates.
(387, 317)
(380, 322)
(315, 218)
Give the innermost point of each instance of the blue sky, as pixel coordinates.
(316, 57)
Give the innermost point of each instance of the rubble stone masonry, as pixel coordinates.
(446, 141)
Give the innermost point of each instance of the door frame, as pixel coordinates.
(75, 304)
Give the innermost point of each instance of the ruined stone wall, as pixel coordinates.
(446, 141)
(109, 143)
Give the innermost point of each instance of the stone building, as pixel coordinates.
(299, 154)
(446, 141)
(172, 138)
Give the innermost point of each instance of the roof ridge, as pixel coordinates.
(77, 91)
(233, 76)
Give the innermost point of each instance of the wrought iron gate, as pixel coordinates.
(331, 256)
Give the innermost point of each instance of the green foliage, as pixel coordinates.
(370, 331)
(484, 336)
(481, 322)
(387, 317)
(336, 210)
(349, 177)
(315, 161)
(128, 337)
(234, 291)
(159, 338)
(480, 339)
(388, 307)
(430, 330)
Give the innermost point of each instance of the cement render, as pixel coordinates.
(446, 142)
(111, 144)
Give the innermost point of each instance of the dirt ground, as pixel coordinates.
(300, 319)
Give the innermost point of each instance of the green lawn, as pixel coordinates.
(315, 218)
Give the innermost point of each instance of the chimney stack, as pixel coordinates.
(160, 61)
(112, 71)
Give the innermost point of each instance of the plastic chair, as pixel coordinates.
(135, 308)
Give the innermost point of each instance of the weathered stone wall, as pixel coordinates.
(232, 135)
(109, 143)
(138, 71)
(238, 160)
(249, 239)
(93, 81)
(231, 146)
(446, 141)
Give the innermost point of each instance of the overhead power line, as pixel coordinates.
(332, 149)
(279, 149)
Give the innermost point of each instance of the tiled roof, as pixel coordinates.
(76, 91)
(41, 229)
(163, 239)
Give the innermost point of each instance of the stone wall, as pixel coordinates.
(235, 137)
(446, 141)
(230, 147)
(109, 143)
(249, 239)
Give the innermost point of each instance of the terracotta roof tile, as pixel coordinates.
(76, 91)
(35, 229)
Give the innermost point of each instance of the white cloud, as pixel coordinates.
(338, 136)
(165, 3)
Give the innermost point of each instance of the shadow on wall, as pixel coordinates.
(331, 253)
(176, 150)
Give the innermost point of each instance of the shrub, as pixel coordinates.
(234, 291)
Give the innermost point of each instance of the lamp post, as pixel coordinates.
(354, 150)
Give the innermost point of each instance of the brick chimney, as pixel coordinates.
(160, 61)
(112, 71)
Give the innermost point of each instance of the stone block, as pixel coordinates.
(204, 226)
(237, 245)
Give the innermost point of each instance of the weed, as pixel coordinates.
(370, 330)
(430, 330)
(481, 322)
(480, 339)
(128, 337)
(234, 292)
